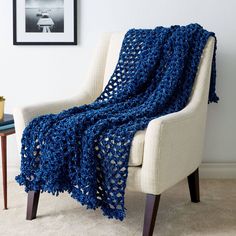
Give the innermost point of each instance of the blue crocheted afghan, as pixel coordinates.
(85, 150)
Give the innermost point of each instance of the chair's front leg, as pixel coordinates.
(32, 204)
(193, 183)
(152, 203)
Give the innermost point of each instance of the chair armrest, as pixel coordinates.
(23, 115)
(173, 148)
(89, 92)
(174, 143)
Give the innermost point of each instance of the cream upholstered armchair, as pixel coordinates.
(166, 152)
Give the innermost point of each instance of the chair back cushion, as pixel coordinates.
(116, 40)
(199, 94)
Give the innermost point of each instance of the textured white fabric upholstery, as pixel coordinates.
(171, 146)
(112, 55)
(88, 92)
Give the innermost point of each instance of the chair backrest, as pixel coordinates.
(112, 55)
(201, 86)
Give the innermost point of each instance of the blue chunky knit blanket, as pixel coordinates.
(85, 150)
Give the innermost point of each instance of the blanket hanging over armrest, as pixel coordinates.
(85, 150)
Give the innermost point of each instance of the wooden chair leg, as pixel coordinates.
(4, 168)
(152, 203)
(32, 204)
(193, 183)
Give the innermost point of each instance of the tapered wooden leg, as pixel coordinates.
(193, 183)
(4, 168)
(152, 203)
(32, 204)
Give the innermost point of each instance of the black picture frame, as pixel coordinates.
(15, 42)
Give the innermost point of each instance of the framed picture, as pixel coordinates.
(45, 22)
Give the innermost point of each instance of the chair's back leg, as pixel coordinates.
(152, 203)
(193, 183)
(32, 204)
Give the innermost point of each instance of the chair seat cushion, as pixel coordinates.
(137, 148)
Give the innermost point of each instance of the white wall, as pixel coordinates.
(31, 74)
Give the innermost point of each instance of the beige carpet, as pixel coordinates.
(215, 215)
